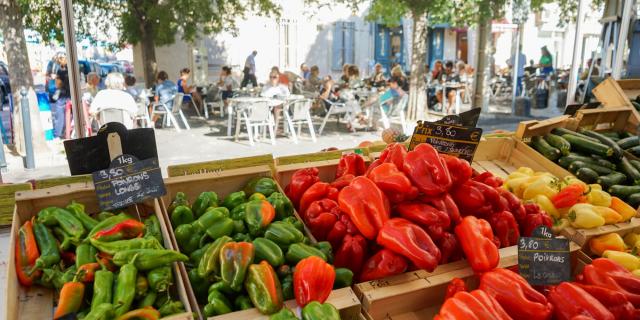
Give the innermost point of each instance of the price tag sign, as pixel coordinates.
(456, 140)
(542, 259)
(128, 181)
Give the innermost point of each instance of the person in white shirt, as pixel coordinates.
(114, 97)
(250, 70)
(274, 89)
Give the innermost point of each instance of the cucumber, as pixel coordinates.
(617, 151)
(623, 192)
(633, 175)
(587, 175)
(558, 142)
(545, 149)
(606, 163)
(563, 131)
(611, 134)
(629, 142)
(634, 200)
(587, 146)
(636, 164)
(567, 160)
(576, 165)
(634, 151)
(611, 179)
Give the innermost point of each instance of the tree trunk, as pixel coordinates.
(483, 72)
(20, 75)
(148, 48)
(417, 84)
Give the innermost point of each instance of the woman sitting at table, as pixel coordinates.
(274, 89)
(448, 76)
(400, 77)
(189, 91)
(226, 85)
(165, 91)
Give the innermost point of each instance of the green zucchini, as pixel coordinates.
(617, 151)
(633, 175)
(636, 105)
(576, 165)
(587, 146)
(634, 200)
(636, 164)
(623, 192)
(611, 179)
(559, 143)
(587, 175)
(606, 163)
(611, 134)
(567, 160)
(624, 134)
(563, 131)
(634, 151)
(545, 149)
(629, 142)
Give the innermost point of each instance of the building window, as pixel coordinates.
(287, 33)
(343, 44)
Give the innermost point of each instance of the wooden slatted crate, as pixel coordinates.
(8, 201)
(218, 166)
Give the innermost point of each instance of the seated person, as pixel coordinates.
(185, 74)
(378, 79)
(165, 92)
(114, 97)
(130, 82)
(449, 75)
(314, 82)
(274, 89)
(226, 84)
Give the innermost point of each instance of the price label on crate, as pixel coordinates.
(128, 181)
(455, 140)
(542, 259)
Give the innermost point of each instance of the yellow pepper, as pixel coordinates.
(631, 239)
(546, 205)
(627, 260)
(636, 273)
(611, 241)
(599, 198)
(545, 185)
(595, 186)
(582, 215)
(610, 216)
(559, 225)
(525, 170)
(517, 186)
(569, 180)
(517, 175)
(626, 211)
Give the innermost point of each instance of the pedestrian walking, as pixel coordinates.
(250, 70)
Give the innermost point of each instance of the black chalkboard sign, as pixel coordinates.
(542, 259)
(467, 119)
(455, 140)
(128, 181)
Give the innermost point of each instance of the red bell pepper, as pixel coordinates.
(433, 220)
(534, 218)
(127, 229)
(340, 229)
(459, 169)
(474, 305)
(351, 253)
(409, 240)
(446, 204)
(449, 248)
(505, 228)
(476, 239)
(569, 196)
(343, 181)
(609, 274)
(614, 301)
(394, 153)
(570, 300)
(427, 170)
(489, 179)
(317, 191)
(312, 280)
(393, 182)
(26, 254)
(515, 205)
(366, 206)
(351, 163)
(456, 285)
(471, 200)
(321, 217)
(384, 263)
(515, 295)
(301, 180)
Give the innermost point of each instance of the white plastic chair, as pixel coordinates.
(170, 113)
(300, 114)
(214, 99)
(142, 115)
(335, 109)
(396, 111)
(115, 115)
(256, 115)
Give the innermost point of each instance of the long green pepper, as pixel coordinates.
(124, 292)
(53, 216)
(160, 279)
(103, 311)
(113, 247)
(147, 259)
(85, 253)
(152, 228)
(102, 288)
(77, 209)
(47, 245)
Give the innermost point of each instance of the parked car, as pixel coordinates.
(126, 65)
(87, 66)
(106, 68)
(5, 87)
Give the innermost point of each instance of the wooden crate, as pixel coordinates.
(422, 298)
(582, 236)
(218, 166)
(630, 87)
(326, 162)
(612, 94)
(37, 302)
(8, 200)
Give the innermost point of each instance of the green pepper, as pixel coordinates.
(77, 209)
(215, 223)
(263, 185)
(104, 215)
(188, 238)
(161, 300)
(257, 196)
(282, 204)
(295, 222)
(124, 291)
(148, 300)
(204, 201)
(85, 253)
(181, 215)
(142, 286)
(52, 277)
(242, 302)
(299, 251)
(152, 228)
(325, 247)
(102, 311)
(235, 258)
(234, 199)
(268, 250)
(160, 279)
(199, 285)
(283, 314)
(320, 311)
(47, 245)
(215, 294)
(108, 223)
(221, 287)
(238, 226)
(66, 240)
(344, 278)
(264, 288)
(215, 308)
(241, 237)
(53, 216)
(147, 259)
(119, 245)
(238, 212)
(196, 256)
(258, 215)
(287, 287)
(102, 288)
(284, 234)
(210, 262)
(284, 270)
(170, 308)
(179, 200)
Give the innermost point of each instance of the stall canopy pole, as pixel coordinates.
(577, 50)
(616, 71)
(73, 67)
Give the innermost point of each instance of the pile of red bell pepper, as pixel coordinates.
(410, 210)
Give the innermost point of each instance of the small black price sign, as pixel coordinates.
(128, 181)
(542, 259)
(455, 140)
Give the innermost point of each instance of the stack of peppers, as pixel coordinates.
(410, 210)
(249, 250)
(104, 267)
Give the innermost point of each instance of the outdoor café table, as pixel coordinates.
(236, 104)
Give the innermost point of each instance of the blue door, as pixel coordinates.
(436, 45)
(389, 46)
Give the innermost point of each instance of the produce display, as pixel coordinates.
(410, 210)
(103, 267)
(623, 250)
(248, 250)
(569, 201)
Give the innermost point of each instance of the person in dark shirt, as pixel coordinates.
(60, 97)
(448, 76)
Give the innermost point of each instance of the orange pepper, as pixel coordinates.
(71, 296)
(611, 241)
(626, 211)
(26, 254)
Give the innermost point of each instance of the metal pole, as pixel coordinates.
(514, 77)
(26, 124)
(73, 67)
(622, 39)
(577, 50)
